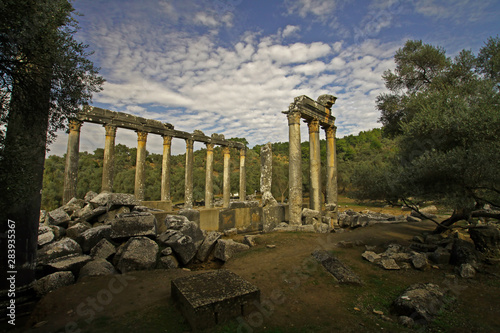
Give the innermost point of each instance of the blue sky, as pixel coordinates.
(231, 66)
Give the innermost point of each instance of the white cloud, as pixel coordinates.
(319, 8)
(456, 10)
(290, 30)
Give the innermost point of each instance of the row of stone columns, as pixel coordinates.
(295, 167)
(71, 169)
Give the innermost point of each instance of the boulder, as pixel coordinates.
(389, 264)
(139, 253)
(486, 238)
(371, 256)
(464, 252)
(58, 231)
(122, 199)
(226, 248)
(52, 282)
(168, 262)
(59, 217)
(191, 214)
(71, 263)
(133, 225)
(89, 214)
(321, 228)
(45, 235)
(249, 240)
(101, 199)
(104, 249)
(182, 245)
(92, 236)
(110, 216)
(73, 205)
(89, 196)
(419, 260)
(466, 271)
(185, 227)
(61, 248)
(97, 267)
(208, 245)
(167, 251)
(342, 273)
(420, 302)
(76, 230)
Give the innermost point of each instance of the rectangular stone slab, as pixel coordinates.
(208, 299)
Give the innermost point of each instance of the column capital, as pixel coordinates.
(294, 118)
(75, 125)
(110, 130)
(313, 126)
(189, 143)
(210, 146)
(142, 136)
(226, 150)
(330, 131)
(167, 140)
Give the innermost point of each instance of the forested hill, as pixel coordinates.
(355, 153)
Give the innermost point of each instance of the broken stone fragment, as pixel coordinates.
(208, 245)
(133, 225)
(139, 253)
(466, 271)
(97, 267)
(168, 262)
(93, 235)
(71, 263)
(419, 260)
(249, 240)
(334, 266)
(61, 248)
(226, 248)
(104, 249)
(389, 264)
(182, 245)
(45, 235)
(52, 282)
(77, 229)
(59, 217)
(371, 256)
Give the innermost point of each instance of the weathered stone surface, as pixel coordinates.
(91, 237)
(76, 230)
(243, 204)
(167, 251)
(45, 235)
(110, 216)
(168, 262)
(192, 215)
(306, 212)
(52, 282)
(213, 298)
(73, 205)
(486, 238)
(90, 214)
(249, 240)
(321, 228)
(61, 248)
(71, 263)
(185, 227)
(175, 221)
(58, 231)
(139, 253)
(464, 252)
(133, 225)
(97, 267)
(466, 271)
(59, 217)
(272, 215)
(389, 264)
(334, 266)
(182, 245)
(266, 175)
(208, 245)
(420, 302)
(103, 250)
(371, 256)
(122, 199)
(419, 260)
(89, 196)
(226, 248)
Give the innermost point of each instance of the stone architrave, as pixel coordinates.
(71, 167)
(314, 166)
(209, 185)
(331, 166)
(165, 168)
(243, 184)
(188, 190)
(109, 159)
(140, 165)
(226, 192)
(295, 168)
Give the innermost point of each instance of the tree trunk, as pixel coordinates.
(21, 172)
(455, 217)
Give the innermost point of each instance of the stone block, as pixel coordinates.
(192, 215)
(97, 267)
(139, 253)
(133, 225)
(243, 204)
(59, 217)
(52, 282)
(226, 248)
(71, 263)
(92, 236)
(209, 219)
(168, 262)
(242, 218)
(61, 248)
(334, 266)
(272, 216)
(103, 250)
(227, 219)
(163, 205)
(215, 297)
(208, 245)
(76, 230)
(256, 219)
(45, 235)
(182, 245)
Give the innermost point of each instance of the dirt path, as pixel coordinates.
(297, 294)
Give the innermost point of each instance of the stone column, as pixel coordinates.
(209, 182)
(331, 166)
(140, 174)
(226, 187)
(314, 166)
(295, 168)
(71, 167)
(188, 181)
(165, 168)
(243, 170)
(109, 159)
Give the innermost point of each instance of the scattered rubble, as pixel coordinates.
(334, 266)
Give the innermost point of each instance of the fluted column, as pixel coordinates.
(226, 187)
(188, 183)
(165, 168)
(331, 165)
(243, 170)
(314, 166)
(140, 164)
(295, 168)
(109, 159)
(209, 183)
(71, 167)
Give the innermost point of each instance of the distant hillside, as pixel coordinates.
(353, 150)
